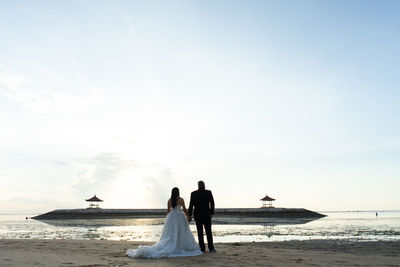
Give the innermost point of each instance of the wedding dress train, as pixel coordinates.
(176, 239)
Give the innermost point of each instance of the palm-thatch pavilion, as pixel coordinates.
(94, 202)
(267, 201)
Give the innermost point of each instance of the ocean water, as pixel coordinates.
(351, 225)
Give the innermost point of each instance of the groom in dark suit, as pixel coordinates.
(203, 202)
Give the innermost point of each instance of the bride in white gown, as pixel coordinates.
(176, 238)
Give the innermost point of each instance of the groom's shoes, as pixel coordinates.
(213, 251)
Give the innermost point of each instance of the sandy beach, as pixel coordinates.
(34, 252)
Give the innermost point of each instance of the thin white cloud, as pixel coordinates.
(54, 103)
(159, 184)
(104, 173)
(99, 169)
(11, 80)
(49, 103)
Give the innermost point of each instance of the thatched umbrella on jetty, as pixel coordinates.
(267, 201)
(94, 202)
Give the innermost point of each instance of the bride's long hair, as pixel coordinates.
(174, 196)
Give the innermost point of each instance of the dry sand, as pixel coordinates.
(28, 252)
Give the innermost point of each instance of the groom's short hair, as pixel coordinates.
(201, 185)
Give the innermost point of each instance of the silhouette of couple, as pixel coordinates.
(176, 238)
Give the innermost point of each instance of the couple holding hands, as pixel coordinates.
(176, 238)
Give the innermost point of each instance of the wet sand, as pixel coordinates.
(34, 252)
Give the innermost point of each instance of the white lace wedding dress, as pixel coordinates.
(176, 239)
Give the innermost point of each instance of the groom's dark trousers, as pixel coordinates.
(203, 203)
(207, 225)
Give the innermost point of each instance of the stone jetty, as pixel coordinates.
(65, 214)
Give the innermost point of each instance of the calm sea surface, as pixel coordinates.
(357, 226)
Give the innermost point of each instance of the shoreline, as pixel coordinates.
(61, 252)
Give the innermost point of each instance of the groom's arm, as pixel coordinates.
(191, 205)
(212, 204)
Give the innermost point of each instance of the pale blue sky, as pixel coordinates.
(127, 99)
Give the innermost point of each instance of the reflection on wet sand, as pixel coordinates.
(91, 227)
(269, 227)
